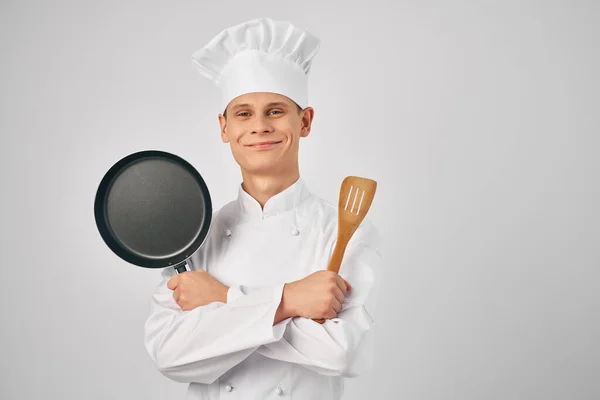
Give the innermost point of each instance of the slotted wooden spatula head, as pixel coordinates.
(356, 196)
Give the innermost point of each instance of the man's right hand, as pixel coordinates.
(319, 295)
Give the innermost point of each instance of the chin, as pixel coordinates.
(263, 167)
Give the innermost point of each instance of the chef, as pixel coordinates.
(241, 323)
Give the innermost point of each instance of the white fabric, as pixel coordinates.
(232, 350)
(261, 55)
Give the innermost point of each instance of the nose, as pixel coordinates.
(261, 124)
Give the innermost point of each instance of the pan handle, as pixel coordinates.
(179, 268)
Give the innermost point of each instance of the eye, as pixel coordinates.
(243, 114)
(276, 111)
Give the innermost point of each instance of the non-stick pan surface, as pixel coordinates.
(153, 209)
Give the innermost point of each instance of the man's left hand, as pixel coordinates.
(193, 289)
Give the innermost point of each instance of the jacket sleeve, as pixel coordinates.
(202, 344)
(343, 345)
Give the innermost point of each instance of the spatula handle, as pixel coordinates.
(336, 261)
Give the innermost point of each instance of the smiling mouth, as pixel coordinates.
(263, 145)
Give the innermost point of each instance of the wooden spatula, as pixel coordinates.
(356, 196)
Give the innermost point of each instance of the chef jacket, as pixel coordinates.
(232, 350)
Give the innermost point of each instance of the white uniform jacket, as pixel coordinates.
(232, 350)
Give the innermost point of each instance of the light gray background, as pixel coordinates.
(479, 120)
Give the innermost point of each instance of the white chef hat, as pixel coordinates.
(261, 55)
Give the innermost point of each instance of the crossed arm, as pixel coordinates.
(201, 344)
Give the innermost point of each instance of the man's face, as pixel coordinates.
(264, 130)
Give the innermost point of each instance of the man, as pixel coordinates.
(240, 324)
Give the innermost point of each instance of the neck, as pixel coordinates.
(262, 187)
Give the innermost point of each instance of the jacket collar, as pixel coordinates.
(283, 201)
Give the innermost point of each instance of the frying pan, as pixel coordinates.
(153, 210)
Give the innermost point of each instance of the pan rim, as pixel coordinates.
(105, 229)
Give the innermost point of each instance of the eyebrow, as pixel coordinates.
(272, 104)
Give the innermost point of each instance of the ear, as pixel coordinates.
(307, 117)
(223, 124)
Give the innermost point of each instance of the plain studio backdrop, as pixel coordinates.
(479, 120)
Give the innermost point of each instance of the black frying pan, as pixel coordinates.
(153, 210)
